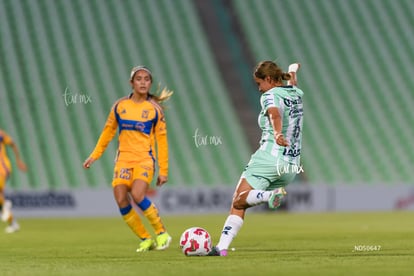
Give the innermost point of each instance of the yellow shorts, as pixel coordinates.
(126, 173)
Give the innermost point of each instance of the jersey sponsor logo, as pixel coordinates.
(296, 107)
(295, 112)
(290, 102)
(144, 127)
(291, 152)
(139, 126)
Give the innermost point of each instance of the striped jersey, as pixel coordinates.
(288, 100)
(141, 126)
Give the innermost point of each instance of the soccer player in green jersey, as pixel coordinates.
(277, 161)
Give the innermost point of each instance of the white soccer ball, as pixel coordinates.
(195, 241)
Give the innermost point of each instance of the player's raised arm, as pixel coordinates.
(292, 70)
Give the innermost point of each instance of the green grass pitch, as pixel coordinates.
(277, 243)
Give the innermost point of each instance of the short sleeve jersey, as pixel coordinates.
(288, 100)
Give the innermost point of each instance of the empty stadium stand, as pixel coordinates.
(65, 62)
(357, 74)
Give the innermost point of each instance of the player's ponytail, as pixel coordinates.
(286, 76)
(162, 95)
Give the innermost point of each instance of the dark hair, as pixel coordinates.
(270, 69)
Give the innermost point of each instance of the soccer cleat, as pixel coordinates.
(6, 210)
(293, 69)
(276, 198)
(14, 227)
(163, 241)
(146, 245)
(223, 253)
(216, 252)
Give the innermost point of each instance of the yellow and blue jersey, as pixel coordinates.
(141, 125)
(5, 165)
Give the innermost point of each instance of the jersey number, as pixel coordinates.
(125, 174)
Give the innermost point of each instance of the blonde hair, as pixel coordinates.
(161, 95)
(270, 69)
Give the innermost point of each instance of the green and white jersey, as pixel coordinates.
(288, 99)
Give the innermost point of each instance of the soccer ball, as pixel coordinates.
(195, 241)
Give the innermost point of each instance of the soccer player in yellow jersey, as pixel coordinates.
(140, 120)
(5, 170)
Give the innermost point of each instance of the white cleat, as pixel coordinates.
(6, 210)
(12, 228)
(276, 198)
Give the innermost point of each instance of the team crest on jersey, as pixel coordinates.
(145, 114)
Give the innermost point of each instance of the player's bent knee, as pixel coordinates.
(239, 202)
(238, 206)
(122, 202)
(137, 195)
